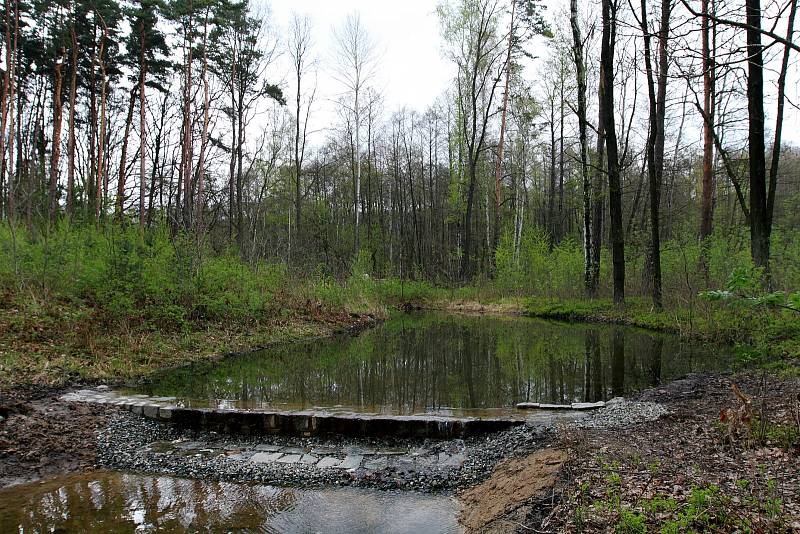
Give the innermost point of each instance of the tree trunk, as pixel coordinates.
(708, 139)
(655, 144)
(498, 172)
(614, 179)
(73, 92)
(776, 145)
(5, 101)
(142, 126)
(201, 162)
(99, 183)
(759, 228)
(55, 152)
(124, 157)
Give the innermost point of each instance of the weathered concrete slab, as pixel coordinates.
(329, 462)
(573, 406)
(267, 448)
(351, 462)
(265, 457)
(587, 405)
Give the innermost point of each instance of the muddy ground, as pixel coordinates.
(41, 436)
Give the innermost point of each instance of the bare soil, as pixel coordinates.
(41, 436)
(513, 483)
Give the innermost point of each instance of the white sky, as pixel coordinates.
(412, 70)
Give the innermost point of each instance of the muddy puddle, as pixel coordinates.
(108, 501)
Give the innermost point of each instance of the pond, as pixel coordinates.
(444, 364)
(123, 502)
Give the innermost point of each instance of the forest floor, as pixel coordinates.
(716, 462)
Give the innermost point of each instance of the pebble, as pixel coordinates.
(622, 413)
(440, 466)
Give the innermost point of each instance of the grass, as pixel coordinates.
(767, 337)
(751, 506)
(55, 343)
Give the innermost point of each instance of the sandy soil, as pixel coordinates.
(514, 482)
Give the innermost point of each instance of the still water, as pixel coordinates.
(445, 364)
(122, 502)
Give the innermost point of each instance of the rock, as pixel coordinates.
(351, 461)
(329, 462)
(265, 457)
(289, 458)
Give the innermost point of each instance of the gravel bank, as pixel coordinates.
(621, 413)
(134, 443)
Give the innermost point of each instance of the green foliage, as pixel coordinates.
(150, 279)
(631, 523)
(745, 288)
(537, 269)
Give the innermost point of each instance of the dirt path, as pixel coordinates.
(41, 436)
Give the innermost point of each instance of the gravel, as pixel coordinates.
(621, 413)
(134, 443)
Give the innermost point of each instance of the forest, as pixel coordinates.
(645, 142)
(184, 181)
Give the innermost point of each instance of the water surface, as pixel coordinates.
(445, 364)
(123, 502)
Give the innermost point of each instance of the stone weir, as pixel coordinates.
(298, 423)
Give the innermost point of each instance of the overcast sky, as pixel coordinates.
(413, 71)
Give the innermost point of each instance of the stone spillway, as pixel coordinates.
(299, 423)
